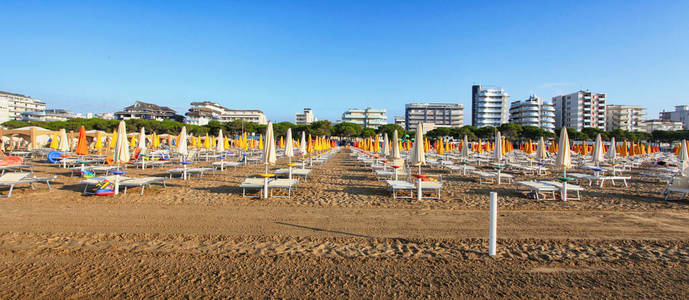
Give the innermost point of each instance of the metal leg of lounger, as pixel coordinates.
(143, 186)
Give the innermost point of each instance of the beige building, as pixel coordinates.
(305, 118)
(13, 105)
(533, 112)
(200, 113)
(580, 110)
(368, 117)
(625, 117)
(664, 125)
(438, 114)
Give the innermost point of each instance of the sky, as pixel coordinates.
(283, 56)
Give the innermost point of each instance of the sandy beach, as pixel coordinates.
(340, 235)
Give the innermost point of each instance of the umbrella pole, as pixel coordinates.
(265, 184)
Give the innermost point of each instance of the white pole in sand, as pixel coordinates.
(493, 223)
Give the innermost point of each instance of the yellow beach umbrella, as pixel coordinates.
(53, 142)
(132, 143)
(99, 141)
(113, 140)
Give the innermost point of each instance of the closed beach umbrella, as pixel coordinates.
(418, 156)
(684, 158)
(99, 140)
(386, 145)
(612, 151)
(269, 156)
(564, 154)
(121, 150)
(465, 147)
(220, 147)
(82, 145)
(142, 140)
(113, 139)
(64, 142)
(53, 142)
(289, 147)
(132, 142)
(597, 155)
(497, 152)
(395, 146)
(540, 150)
(182, 143)
(302, 144)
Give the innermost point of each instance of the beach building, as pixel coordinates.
(579, 110)
(438, 114)
(681, 114)
(105, 116)
(147, 111)
(200, 113)
(533, 112)
(248, 115)
(305, 118)
(625, 117)
(399, 120)
(48, 115)
(368, 117)
(489, 106)
(657, 124)
(13, 105)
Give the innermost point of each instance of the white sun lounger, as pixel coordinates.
(190, 171)
(570, 188)
(12, 179)
(142, 182)
(95, 169)
(401, 185)
(295, 172)
(679, 184)
(463, 168)
(281, 184)
(226, 164)
(538, 187)
(253, 184)
(489, 177)
(432, 186)
(16, 168)
(98, 179)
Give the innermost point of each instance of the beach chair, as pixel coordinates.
(485, 177)
(12, 179)
(143, 182)
(679, 184)
(190, 171)
(253, 184)
(226, 164)
(538, 188)
(433, 184)
(401, 185)
(96, 180)
(296, 172)
(570, 188)
(281, 184)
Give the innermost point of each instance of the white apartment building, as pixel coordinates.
(368, 117)
(146, 111)
(200, 113)
(305, 118)
(105, 116)
(533, 112)
(438, 114)
(399, 120)
(48, 115)
(681, 114)
(489, 106)
(664, 125)
(580, 110)
(625, 117)
(13, 105)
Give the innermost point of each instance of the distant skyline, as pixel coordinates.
(283, 56)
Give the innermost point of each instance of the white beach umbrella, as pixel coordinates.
(540, 150)
(302, 144)
(64, 142)
(142, 140)
(465, 146)
(121, 155)
(269, 156)
(289, 148)
(684, 158)
(220, 146)
(597, 156)
(497, 153)
(564, 159)
(395, 146)
(418, 156)
(386, 145)
(182, 143)
(612, 150)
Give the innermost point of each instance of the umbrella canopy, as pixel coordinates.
(597, 155)
(497, 153)
(121, 148)
(418, 156)
(142, 140)
(53, 142)
(99, 140)
(64, 143)
(564, 155)
(220, 147)
(465, 147)
(395, 146)
(289, 147)
(82, 145)
(269, 156)
(540, 150)
(302, 144)
(386, 145)
(182, 143)
(612, 150)
(113, 138)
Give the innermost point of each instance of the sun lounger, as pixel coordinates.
(226, 164)
(570, 188)
(295, 172)
(253, 184)
(19, 168)
(463, 168)
(15, 178)
(180, 171)
(95, 169)
(98, 179)
(401, 185)
(490, 177)
(602, 179)
(679, 184)
(281, 184)
(142, 182)
(538, 188)
(432, 186)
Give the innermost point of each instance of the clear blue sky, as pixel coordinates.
(282, 56)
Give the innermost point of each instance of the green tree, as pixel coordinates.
(322, 128)
(485, 132)
(347, 129)
(390, 128)
(368, 132)
(511, 131)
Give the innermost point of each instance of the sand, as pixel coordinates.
(341, 235)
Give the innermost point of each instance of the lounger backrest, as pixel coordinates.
(13, 177)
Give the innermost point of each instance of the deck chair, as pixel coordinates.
(142, 182)
(281, 184)
(538, 188)
(570, 188)
(12, 179)
(401, 185)
(252, 184)
(679, 184)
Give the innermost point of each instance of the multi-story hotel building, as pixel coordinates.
(305, 118)
(625, 117)
(399, 120)
(580, 110)
(533, 112)
(48, 115)
(489, 106)
(665, 125)
(368, 117)
(13, 105)
(200, 113)
(439, 114)
(681, 114)
(147, 111)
